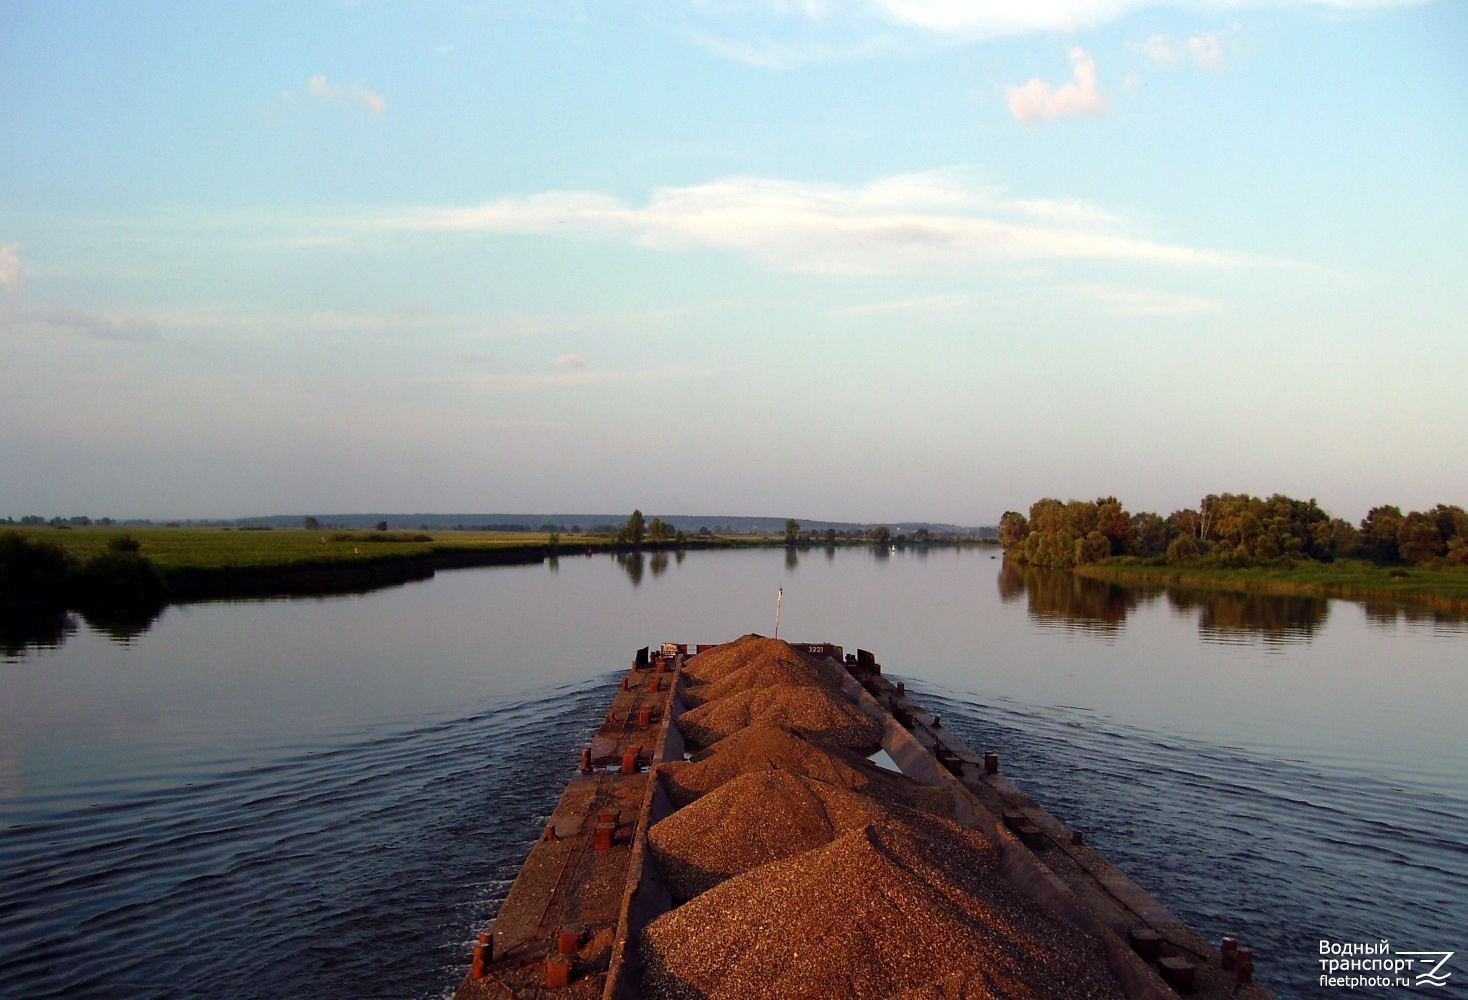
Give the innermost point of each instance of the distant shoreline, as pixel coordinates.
(1348, 579)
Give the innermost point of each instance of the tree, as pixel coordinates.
(1379, 530)
(312, 524)
(1418, 538)
(882, 535)
(381, 525)
(1013, 528)
(659, 530)
(830, 536)
(635, 529)
(792, 531)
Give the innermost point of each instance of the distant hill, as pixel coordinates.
(722, 524)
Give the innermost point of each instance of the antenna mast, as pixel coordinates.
(779, 598)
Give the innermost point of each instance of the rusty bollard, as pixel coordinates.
(1246, 965)
(657, 684)
(901, 690)
(476, 971)
(606, 832)
(644, 715)
(625, 686)
(1077, 838)
(585, 759)
(557, 972)
(1229, 952)
(550, 834)
(991, 763)
(568, 942)
(630, 763)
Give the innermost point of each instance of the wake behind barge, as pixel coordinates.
(575, 921)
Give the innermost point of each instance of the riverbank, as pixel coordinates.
(1444, 589)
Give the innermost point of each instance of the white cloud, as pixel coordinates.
(46, 320)
(11, 273)
(572, 360)
(1159, 49)
(1137, 302)
(926, 304)
(1207, 50)
(1036, 102)
(326, 92)
(904, 223)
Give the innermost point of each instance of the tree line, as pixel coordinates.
(1231, 530)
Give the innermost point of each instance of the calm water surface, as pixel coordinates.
(332, 796)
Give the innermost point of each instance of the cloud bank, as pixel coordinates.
(1035, 102)
(901, 224)
(323, 91)
(10, 269)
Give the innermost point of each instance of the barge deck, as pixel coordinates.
(570, 924)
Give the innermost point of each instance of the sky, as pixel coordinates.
(839, 259)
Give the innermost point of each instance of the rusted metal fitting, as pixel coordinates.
(550, 834)
(1145, 942)
(557, 972)
(662, 664)
(585, 759)
(625, 684)
(568, 942)
(476, 971)
(937, 722)
(644, 715)
(991, 763)
(901, 690)
(1245, 963)
(630, 762)
(1229, 952)
(603, 836)
(1077, 838)
(1179, 973)
(611, 716)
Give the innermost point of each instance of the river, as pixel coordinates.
(332, 795)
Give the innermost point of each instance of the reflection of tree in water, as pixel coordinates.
(631, 562)
(1275, 618)
(25, 630)
(792, 558)
(123, 624)
(1385, 614)
(1060, 598)
(658, 563)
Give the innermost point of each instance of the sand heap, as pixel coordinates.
(880, 911)
(766, 672)
(713, 665)
(771, 748)
(825, 714)
(752, 820)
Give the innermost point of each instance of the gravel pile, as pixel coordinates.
(711, 665)
(771, 748)
(881, 911)
(765, 672)
(825, 714)
(749, 821)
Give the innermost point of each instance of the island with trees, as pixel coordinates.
(1239, 541)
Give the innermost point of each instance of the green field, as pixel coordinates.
(1445, 588)
(173, 549)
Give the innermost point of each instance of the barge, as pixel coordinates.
(725, 835)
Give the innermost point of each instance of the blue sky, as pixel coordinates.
(867, 259)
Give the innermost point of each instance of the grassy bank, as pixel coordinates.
(1445, 588)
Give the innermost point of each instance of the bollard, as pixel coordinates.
(550, 834)
(477, 971)
(585, 759)
(557, 972)
(901, 690)
(625, 686)
(606, 832)
(612, 717)
(1145, 942)
(991, 763)
(1179, 973)
(1229, 952)
(937, 722)
(568, 942)
(644, 715)
(1246, 966)
(1077, 838)
(657, 684)
(630, 763)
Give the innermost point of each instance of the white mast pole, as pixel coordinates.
(779, 598)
